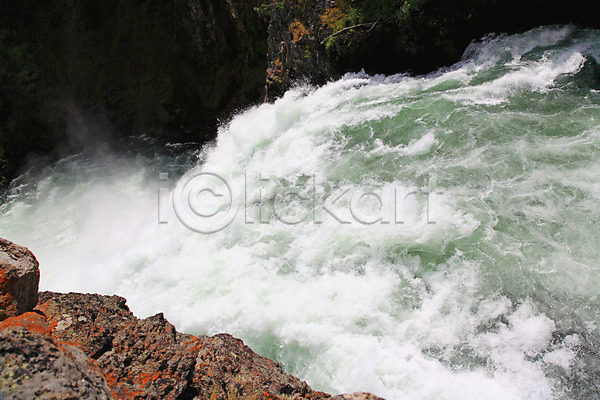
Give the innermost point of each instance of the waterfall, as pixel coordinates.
(431, 237)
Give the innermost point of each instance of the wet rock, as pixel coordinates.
(357, 396)
(226, 368)
(19, 279)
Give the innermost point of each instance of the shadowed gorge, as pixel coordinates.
(83, 74)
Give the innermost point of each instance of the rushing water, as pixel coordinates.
(420, 238)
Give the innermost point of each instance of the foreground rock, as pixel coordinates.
(75, 345)
(149, 358)
(35, 366)
(19, 278)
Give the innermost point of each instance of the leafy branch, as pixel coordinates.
(370, 24)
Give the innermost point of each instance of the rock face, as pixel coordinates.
(294, 51)
(138, 357)
(80, 74)
(226, 368)
(34, 367)
(19, 278)
(32, 364)
(91, 346)
(149, 358)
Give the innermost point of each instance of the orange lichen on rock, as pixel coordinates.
(31, 321)
(7, 303)
(19, 279)
(297, 30)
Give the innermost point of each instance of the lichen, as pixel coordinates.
(297, 30)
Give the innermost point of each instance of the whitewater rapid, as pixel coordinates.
(428, 237)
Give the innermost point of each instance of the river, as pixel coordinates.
(431, 237)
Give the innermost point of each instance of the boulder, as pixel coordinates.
(19, 279)
(140, 357)
(148, 358)
(227, 368)
(33, 366)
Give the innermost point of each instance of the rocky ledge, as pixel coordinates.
(73, 345)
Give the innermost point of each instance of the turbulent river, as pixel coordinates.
(431, 237)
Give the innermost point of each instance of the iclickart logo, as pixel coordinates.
(207, 202)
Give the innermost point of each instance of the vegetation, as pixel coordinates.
(297, 30)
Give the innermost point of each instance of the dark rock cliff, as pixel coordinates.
(294, 50)
(423, 35)
(80, 73)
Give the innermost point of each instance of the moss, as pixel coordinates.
(307, 52)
